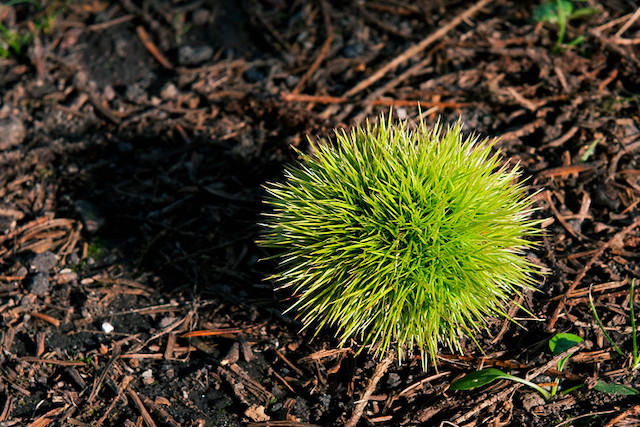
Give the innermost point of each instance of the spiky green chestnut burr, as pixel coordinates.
(401, 237)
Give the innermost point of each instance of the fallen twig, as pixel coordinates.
(151, 47)
(381, 369)
(143, 411)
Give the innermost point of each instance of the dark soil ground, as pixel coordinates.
(134, 140)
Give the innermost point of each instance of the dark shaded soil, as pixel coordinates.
(134, 141)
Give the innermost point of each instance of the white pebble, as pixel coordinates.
(107, 327)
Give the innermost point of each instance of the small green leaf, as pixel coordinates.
(545, 12)
(553, 11)
(564, 8)
(562, 342)
(583, 12)
(590, 150)
(614, 388)
(477, 379)
(575, 42)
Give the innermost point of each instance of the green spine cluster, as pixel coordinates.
(401, 237)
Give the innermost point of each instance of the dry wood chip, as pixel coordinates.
(321, 354)
(247, 352)
(232, 355)
(141, 408)
(256, 413)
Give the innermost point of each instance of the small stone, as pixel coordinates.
(325, 401)
(26, 301)
(73, 259)
(353, 50)
(39, 284)
(193, 55)
(393, 380)
(291, 81)
(80, 78)
(532, 400)
(107, 327)
(66, 275)
(254, 75)
(109, 93)
(136, 93)
(169, 91)
(44, 262)
(12, 132)
(147, 377)
(201, 17)
(121, 47)
(166, 321)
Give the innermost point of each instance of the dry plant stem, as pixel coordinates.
(628, 413)
(381, 369)
(484, 403)
(99, 380)
(629, 23)
(583, 272)
(159, 412)
(143, 411)
(151, 47)
(123, 387)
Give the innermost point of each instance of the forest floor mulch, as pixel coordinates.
(134, 141)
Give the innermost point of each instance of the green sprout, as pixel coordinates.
(402, 237)
(560, 12)
(486, 376)
(558, 344)
(590, 150)
(635, 354)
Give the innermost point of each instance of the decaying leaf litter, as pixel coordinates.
(136, 138)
